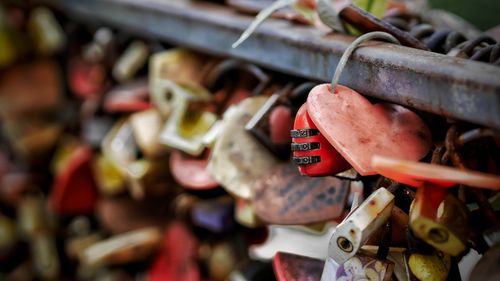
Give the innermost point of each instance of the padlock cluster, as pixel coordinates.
(123, 158)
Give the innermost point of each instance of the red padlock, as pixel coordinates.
(312, 152)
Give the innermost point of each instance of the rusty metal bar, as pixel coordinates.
(427, 81)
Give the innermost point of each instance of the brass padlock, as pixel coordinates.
(433, 267)
(440, 219)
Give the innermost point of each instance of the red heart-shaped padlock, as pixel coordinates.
(311, 151)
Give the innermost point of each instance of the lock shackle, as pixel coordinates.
(352, 47)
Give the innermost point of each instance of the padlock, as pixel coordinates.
(337, 109)
(120, 214)
(127, 247)
(34, 217)
(109, 179)
(8, 238)
(271, 124)
(215, 215)
(17, 97)
(177, 257)
(290, 239)
(311, 151)
(191, 172)
(433, 267)
(288, 267)
(357, 227)
(237, 158)
(80, 237)
(440, 219)
(86, 79)
(131, 61)
(283, 196)
(45, 31)
(74, 191)
(45, 256)
(223, 257)
(128, 97)
(244, 214)
(185, 128)
(87, 73)
(146, 126)
(179, 66)
(144, 176)
(94, 129)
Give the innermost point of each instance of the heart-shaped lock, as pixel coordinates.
(311, 150)
(291, 267)
(359, 129)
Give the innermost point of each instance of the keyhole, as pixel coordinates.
(438, 235)
(344, 244)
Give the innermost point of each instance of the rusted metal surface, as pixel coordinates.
(449, 86)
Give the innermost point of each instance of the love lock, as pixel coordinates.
(336, 109)
(87, 74)
(357, 227)
(289, 267)
(46, 32)
(185, 128)
(177, 257)
(215, 215)
(311, 150)
(283, 196)
(436, 216)
(271, 124)
(128, 97)
(191, 172)
(290, 239)
(131, 61)
(109, 179)
(146, 126)
(124, 248)
(144, 176)
(435, 266)
(74, 191)
(238, 159)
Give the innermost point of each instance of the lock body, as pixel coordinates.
(440, 219)
(312, 152)
(356, 228)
